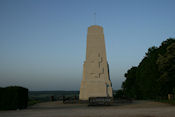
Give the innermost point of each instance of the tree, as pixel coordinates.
(166, 66)
(154, 76)
(129, 86)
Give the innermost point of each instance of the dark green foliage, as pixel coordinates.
(13, 97)
(119, 94)
(154, 77)
(130, 86)
(166, 66)
(32, 102)
(167, 101)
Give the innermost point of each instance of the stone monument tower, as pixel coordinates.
(96, 79)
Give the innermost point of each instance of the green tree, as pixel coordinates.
(130, 86)
(154, 77)
(166, 66)
(147, 74)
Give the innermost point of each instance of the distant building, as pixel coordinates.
(96, 79)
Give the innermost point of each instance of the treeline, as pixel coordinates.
(13, 97)
(154, 77)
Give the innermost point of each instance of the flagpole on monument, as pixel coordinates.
(95, 18)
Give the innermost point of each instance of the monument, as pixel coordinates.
(96, 79)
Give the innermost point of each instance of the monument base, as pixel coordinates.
(94, 88)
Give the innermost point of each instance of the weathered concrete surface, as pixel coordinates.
(96, 81)
(56, 109)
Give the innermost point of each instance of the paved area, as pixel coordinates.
(57, 109)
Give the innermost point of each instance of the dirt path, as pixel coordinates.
(57, 109)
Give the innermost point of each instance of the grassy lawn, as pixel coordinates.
(167, 101)
(32, 102)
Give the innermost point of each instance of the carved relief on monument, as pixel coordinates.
(96, 66)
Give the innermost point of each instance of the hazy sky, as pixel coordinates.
(43, 42)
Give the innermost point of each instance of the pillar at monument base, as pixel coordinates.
(94, 89)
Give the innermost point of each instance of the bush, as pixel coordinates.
(13, 97)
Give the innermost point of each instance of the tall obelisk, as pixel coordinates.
(96, 81)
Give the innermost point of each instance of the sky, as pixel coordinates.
(43, 42)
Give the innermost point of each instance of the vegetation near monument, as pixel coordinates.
(154, 77)
(13, 97)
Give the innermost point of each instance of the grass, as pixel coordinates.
(32, 102)
(172, 102)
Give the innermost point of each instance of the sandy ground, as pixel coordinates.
(57, 109)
